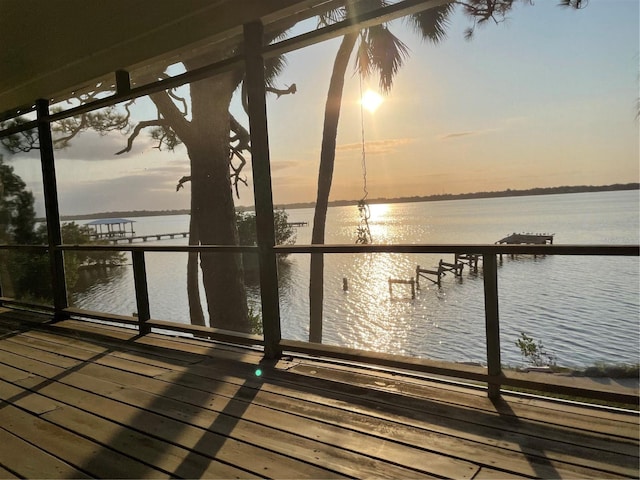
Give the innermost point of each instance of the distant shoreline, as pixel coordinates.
(339, 203)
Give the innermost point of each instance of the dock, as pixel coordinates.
(110, 228)
(527, 239)
(435, 274)
(83, 400)
(144, 238)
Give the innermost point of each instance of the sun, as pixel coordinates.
(371, 100)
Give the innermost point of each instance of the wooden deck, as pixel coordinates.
(87, 400)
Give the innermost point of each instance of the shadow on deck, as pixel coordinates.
(82, 399)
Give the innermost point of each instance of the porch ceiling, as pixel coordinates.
(51, 47)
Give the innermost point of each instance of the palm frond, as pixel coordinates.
(387, 54)
(432, 24)
(273, 67)
(360, 7)
(364, 62)
(332, 16)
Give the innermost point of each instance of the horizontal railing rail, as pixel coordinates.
(600, 250)
(589, 250)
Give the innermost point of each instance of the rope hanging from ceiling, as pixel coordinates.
(363, 231)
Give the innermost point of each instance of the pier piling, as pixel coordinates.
(411, 282)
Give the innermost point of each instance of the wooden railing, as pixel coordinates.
(493, 375)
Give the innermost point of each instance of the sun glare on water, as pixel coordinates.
(378, 211)
(371, 100)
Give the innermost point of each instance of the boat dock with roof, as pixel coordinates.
(111, 228)
(121, 229)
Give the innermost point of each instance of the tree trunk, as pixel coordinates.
(213, 210)
(325, 177)
(193, 287)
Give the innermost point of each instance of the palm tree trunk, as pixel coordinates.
(325, 177)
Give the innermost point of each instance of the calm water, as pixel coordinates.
(583, 309)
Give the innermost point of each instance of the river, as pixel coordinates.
(584, 310)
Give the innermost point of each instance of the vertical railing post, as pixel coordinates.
(54, 232)
(123, 82)
(492, 323)
(142, 292)
(260, 163)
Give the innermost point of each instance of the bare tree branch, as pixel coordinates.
(138, 128)
(185, 108)
(483, 10)
(182, 181)
(71, 125)
(243, 139)
(170, 111)
(235, 175)
(289, 90)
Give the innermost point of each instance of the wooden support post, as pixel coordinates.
(345, 284)
(142, 292)
(54, 233)
(123, 82)
(492, 324)
(422, 272)
(260, 163)
(456, 267)
(403, 282)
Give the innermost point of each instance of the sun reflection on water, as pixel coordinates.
(379, 322)
(381, 223)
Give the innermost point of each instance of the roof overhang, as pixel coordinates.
(52, 47)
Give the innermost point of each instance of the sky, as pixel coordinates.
(547, 98)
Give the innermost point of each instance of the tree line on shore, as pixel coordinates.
(426, 198)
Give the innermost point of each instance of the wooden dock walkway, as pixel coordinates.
(144, 238)
(89, 400)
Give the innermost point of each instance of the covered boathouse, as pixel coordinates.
(110, 228)
(126, 397)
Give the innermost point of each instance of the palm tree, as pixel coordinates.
(378, 51)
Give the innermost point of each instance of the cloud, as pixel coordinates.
(448, 136)
(149, 189)
(377, 147)
(284, 164)
(457, 134)
(294, 181)
(504, 124)
(90, 146)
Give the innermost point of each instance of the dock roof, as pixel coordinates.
(527, 238)
(110, 221)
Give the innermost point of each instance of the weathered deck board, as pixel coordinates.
(186, 408)
(74, 448)
(28, 461)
